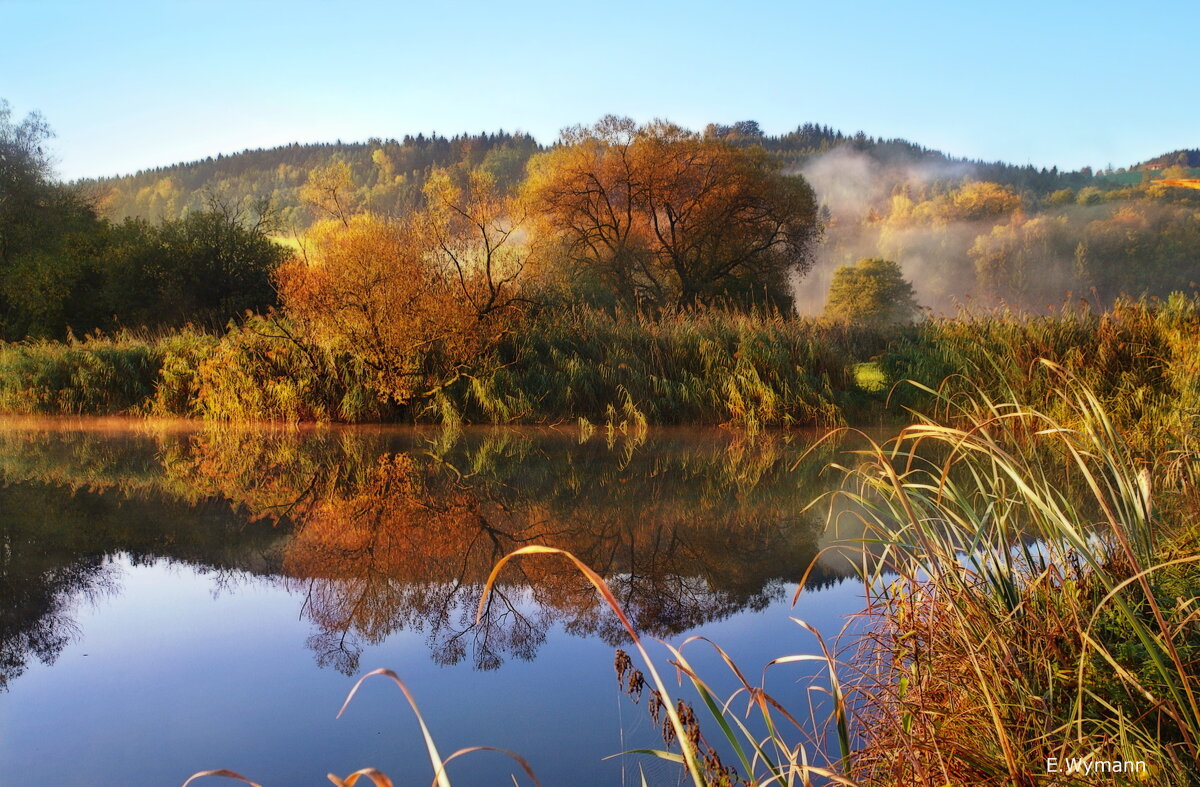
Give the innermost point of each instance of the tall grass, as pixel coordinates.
(261, 370)
(88, 376)
(1024, 607)
(714, 367)
(1138, 358)
(751, 371)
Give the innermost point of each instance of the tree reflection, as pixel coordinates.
(684, 532)
(71, 502)
(396, 530)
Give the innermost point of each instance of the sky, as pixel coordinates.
(133, 85)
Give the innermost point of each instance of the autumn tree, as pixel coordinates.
(473, 229)
(419, 299)
(873, 292)
(1024, 263)
(658, 215)
(330, 192)
(368, 289)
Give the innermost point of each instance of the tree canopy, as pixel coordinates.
(659, 215)
(872, 291)
(64, 268)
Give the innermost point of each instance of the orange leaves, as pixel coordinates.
(371, 288)
(661, 215)
(418, 300)
(1181, 183)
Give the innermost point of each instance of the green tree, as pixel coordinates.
(872, 291)
(204, 268)
(47, 231)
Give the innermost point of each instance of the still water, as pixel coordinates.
(177, 598)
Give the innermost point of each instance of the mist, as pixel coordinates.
(855, 191)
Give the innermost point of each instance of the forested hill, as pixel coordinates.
(389, 174)
(1176, 158)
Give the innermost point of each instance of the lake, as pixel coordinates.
(179, 597)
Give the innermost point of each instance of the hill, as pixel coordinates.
(389, 174)
(1176, 158)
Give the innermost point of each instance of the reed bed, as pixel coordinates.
(94, 376)
(1032, 607)
(1139, 358)
(714, 367)
(580, 365)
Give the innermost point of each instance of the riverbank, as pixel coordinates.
(707, 368)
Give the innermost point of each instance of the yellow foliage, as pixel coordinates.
(330, 191)
(370, 287)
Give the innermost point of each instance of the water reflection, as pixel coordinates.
(388, 530)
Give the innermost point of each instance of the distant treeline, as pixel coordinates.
(421, 254)
(389, 174)
(960, 229)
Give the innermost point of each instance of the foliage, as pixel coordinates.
(664, 217)
(370, 289)
(871, 292)
(262, 370)
(83, 274)
(753, 370)
(387, 175)
(41, 223)
(1136, 248)
(205, 268)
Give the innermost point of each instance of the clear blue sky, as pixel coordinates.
(128, 85)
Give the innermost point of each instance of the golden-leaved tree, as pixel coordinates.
(418, 300)
(658, 215)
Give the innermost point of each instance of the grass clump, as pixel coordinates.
(1026, 606)
(93, 375)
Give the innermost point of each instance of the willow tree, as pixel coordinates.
(419, 300)
(656, 214)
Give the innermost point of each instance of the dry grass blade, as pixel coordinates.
(377, 778)
(222, 773)
(434, 758)
(511, 754)
(690, 756)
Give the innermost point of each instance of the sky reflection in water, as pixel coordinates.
(175, 599)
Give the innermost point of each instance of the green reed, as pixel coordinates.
(746, 370)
